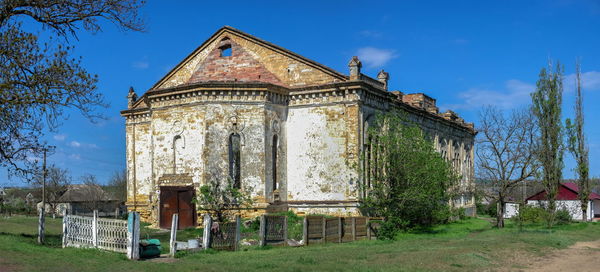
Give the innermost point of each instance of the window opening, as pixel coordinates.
(274, 161)
(234, 159)
(226, 50)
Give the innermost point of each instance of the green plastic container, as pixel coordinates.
(149, 248)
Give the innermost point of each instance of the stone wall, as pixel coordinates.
(287, 68)
(178, 132)
(321, 154)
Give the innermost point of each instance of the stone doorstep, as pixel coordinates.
(180, 245)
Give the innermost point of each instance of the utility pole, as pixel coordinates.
(43, 210)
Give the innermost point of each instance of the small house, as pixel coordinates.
(83, 199)
(567, 199)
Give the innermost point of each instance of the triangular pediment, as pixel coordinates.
(251, 60)
(239, 65)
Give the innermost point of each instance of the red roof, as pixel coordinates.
(567, 191)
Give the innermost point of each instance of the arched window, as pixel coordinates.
(368, 161)
(234, 159)
(456, 160)
(444, 149)
(178, 146)
(274, 161)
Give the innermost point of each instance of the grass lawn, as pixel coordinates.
(468, 245)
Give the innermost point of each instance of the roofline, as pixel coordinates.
(247, 36)
(297, 90)
(563, 185)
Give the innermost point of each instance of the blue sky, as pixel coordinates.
(463, 53)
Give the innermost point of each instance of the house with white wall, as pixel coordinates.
(567, 199)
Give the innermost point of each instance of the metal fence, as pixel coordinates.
(221, 235)
(112, 234)
(108, 234)
(224, 236)
(78, 231)
(273, 230)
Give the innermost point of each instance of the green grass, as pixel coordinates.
(467, 245)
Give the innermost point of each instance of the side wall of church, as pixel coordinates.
(322, 147)
(454, 144)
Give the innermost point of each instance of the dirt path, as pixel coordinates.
(582, 256)
(8, 267)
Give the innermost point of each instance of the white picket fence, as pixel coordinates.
(108, 234)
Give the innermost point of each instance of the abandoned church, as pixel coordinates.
(284, 128)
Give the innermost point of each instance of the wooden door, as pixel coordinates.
(186, 209)
(177, 200)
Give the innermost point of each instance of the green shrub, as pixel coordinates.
(253, 226)
(563, 217)
(390, 228)
(295, 225)
(486, 209)
(409, 181)
(531, 214)
(459, 213)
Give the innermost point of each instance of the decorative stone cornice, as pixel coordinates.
(237, 92)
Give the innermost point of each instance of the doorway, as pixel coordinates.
(177, 200)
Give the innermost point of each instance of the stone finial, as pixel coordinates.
(131, 98)
(354, 66)
(383, 77)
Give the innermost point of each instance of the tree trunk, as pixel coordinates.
(500, 213)
(551, 212)
(584, 208)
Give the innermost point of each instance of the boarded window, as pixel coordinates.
(234, 159)
(274, 161)
(178, 146)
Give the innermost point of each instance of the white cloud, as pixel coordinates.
(75, 144)
(375, 57)
(76, 157)
(515, 93)
(590, 81)
(141, 64)
(60, 137)
(32, 158)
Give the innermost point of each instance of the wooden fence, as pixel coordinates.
(274, 231)
(320, 229)
(108, 234)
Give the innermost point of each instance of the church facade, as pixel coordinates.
(284, 128)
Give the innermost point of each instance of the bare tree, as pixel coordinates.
(577, 146)
(40, 80)
(118, 185)
(92, 191)
(506, 148)
(57, 183)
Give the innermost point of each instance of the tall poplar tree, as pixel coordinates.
(547, 108)
(577, 146)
